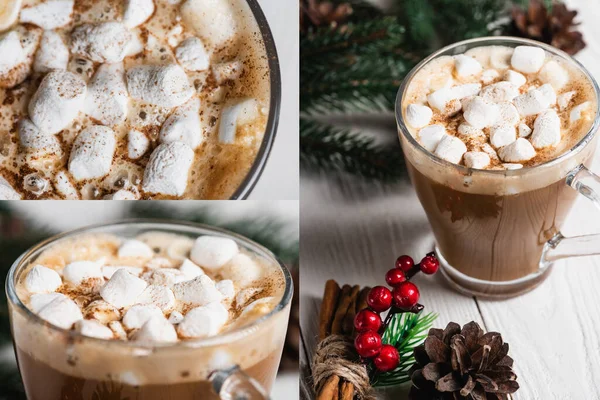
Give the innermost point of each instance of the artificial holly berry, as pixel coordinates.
(429, 264)
(387, 359)
(367, 320)
(405, 295)
(394, 277)
(404, 263)
(379, 299)
(368, 344)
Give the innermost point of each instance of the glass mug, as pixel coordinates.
(497, 232)
(58, 364)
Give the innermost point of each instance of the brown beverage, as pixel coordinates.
(493, 188)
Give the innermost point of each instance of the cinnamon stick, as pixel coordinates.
(347, 391)
(330, 390)
(361, 303)
(340, 312)
(348, 323)
(328, 308)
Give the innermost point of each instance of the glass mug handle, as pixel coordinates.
(235, 384)
(588, 184)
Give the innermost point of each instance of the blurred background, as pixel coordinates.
(273, 224)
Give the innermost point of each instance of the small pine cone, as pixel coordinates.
(465, 363)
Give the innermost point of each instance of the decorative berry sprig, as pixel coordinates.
(403, 298)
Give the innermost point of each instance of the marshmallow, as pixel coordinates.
(500, 57)
(14, 63)
(508, 114)
(578, 110)
(6, 190)
(121, 195)
(213, 252)
(163, 86)
(548, 93)
(234, 115)
(466, 66)
(92, 153)
(123, 289)
(430, 136)
(528, 59)
(102, 311)
(502, 135)
(57, 101)
(62, 312)
(515, 78)
(245, 295)
(489, 150)
(105, 42)
(158, 295)
(109, 270)
(164, 276)
(468, 131)
(192, 55)
(93, 329)
(184, 125)
(546, 130)
(227, 71)
(41, 300)
(137, 144)
(489, 75)
(499, 92)
(213, 20)
(41, 279)
(139, 314)
(510, 166)
(199, 291)
(190, 270)
(118, 330)
(418, 116)
(451, 149)
(533, 102)
(203, 321)
(176, 317)
(480, 114)
(156, 329)
(65, 187)
(476, 159)
(440, 98)
(524, 130)
(9, 14)
(33, 140)
(179, 249)
(52, 54)
(107, 100)
(518, 151)
(226, 288)
(79, 271)
(168, 168)
(135, 248)
(137, 12)
(554, 74)
(135, 46)
(242, 270)
(564, 99)
(49, 15)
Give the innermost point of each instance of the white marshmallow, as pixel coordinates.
(49, 15)
(41, 300)
(109, 270)
(502, 135)
(451, 149)
(65, 187)
(430, 136)
(468, 89)
(489, 75)
(6, 190)
(245, 295)
(237, 114)
(524, 130)
(79, 271)
(476, 159)
(242, 270)
(156, 329)
(164, 276)
(515, 78)
(510, 166)
(499, 92)
(137, 144)
(577, 111)
(105, 42)
(442, 97)
(518, 151)
(528, 59)
(213, 252)
(10, 14)
(168, 168)
(533, 102)
(176, 317)
(158, 295)
(564, 99)
(57, 101)
(190, 270)
(135, 248)
(199, 291)
(203, 321)
(508, 114)
(14, 63)
(480, 114)
(160, 262)
(466, 66)
(121, 195)
(123, 289)
(500, 57)
(32, 140)
(468, 131)
(192, 55)
(118, 330)
(107, 100)
(137, 12)
(184, 125)
(554, 74)
(139, 314)
(213, 20)
(548, 93)
(41, 279)
(93, 329)
(227, 71)
(546, 130)
(102, 311)
(92, 153)
(52, 53)
(62, 312)
(226, 288)
(163, 86)
(490, 151)
(418, 116)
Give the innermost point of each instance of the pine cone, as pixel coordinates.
(556, 28)
(457, 364)
(317, 13)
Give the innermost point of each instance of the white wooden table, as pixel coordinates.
(352, 232)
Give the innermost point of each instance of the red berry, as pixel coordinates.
(404, 263)
(379, 299)
(429, 264)
(406, 295)
(368, 344)
(387, 359)
(394, 277)
(367, 320)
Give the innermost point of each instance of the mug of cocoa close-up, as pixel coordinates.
(148, 310)
(498, 134)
